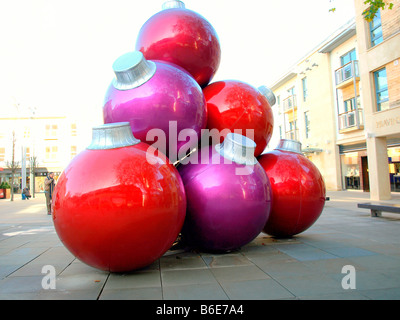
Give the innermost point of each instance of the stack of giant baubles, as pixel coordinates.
(151, 173)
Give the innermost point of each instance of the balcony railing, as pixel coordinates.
(289, 103)
(292, 134)
(349, 119)
(348, 71)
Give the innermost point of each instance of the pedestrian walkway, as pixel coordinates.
(307, 266)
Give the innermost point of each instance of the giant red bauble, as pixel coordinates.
(119, 209)
(182, 37)
(239, 107)
(298, 191)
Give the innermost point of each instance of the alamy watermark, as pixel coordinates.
(49, 280)
(195, 149)
(349, 280)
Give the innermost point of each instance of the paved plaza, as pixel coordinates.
(308, 266)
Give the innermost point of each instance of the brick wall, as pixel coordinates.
(391, 19)
(348, 92)
(393, 78)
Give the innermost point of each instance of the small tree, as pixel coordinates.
(374, 5)
(13, 165)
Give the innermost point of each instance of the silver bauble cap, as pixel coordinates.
(132, 70)
(173, 4)
(289, 145)
(237, 148)
(112, 135)
(267, 92)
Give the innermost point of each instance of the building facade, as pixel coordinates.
(40, 145)
(342, 102)
(379, 57)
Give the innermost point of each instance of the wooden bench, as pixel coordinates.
(377, 208)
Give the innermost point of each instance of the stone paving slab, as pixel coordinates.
(306, 267)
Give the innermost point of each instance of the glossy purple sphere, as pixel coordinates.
(225, 211)
(165, 98)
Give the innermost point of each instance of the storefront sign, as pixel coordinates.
(388, 122)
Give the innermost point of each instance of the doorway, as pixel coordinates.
(365, 175)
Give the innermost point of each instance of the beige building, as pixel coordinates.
(379, 57)
(51, 141)
(342, 102)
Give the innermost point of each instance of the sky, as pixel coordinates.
(56, 56)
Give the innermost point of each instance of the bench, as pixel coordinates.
(377, 208)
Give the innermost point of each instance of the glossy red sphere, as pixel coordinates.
(236, 105)
(298, 192)
(182, 37)
(116, 211)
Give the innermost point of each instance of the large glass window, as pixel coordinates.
(347, 71)
(394, 168)
(375, 28)
(381, 90)
(349, 56)
(350, 171)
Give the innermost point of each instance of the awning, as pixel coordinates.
(311, 150)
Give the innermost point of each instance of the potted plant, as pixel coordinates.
(5, 187)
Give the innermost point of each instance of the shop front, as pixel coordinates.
(354, 167)
(394, 168)
(37, 183)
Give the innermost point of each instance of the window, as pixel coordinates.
(304, 82)
(51, 153)
(348, 57)
(292, 134)
(51, 131)
(381, 90)
(73, 130)
(2, 154)
(345, 60)
(307, 123)
(375, 28)
(291, 99)
(27, 132)
(73, 151)
(349, 105)
(278, 100)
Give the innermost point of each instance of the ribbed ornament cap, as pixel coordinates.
(237, 148)
(289, 145)
(112, 136)
(173, 4)
(267, 92)
(132, 70)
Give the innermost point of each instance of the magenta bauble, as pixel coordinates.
(156, 98)
(228, 196)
